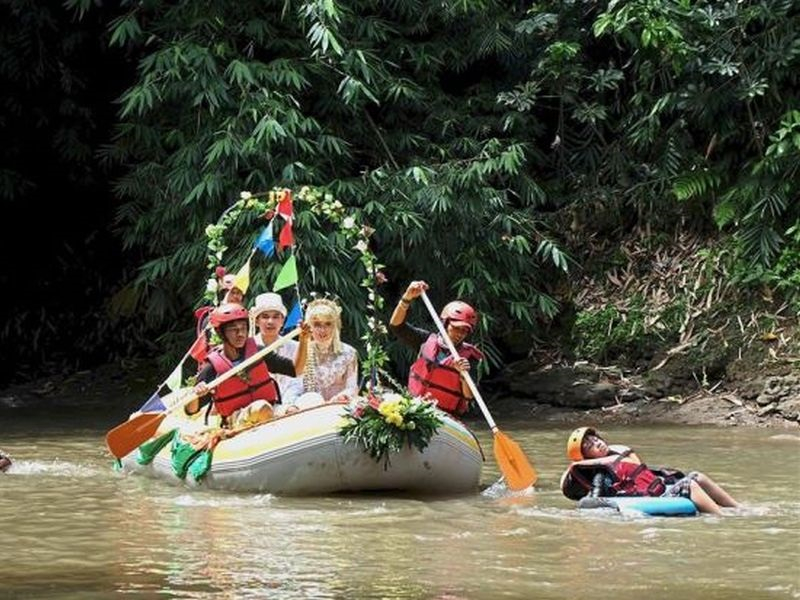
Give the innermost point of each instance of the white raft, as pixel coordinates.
(304, 454)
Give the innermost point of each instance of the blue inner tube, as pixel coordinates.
(656, 507)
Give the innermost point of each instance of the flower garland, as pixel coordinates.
(390, 423)
(262, 204)
(322, 203)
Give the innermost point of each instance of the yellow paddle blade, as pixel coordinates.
(515, 466)
(125, 438)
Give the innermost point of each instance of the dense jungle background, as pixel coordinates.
(613, 184)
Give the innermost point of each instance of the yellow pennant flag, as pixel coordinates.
(287, 276)
(242, 279)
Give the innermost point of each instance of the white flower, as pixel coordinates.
(211, 285)
(349, 223)
(245, 195)
(361, 246)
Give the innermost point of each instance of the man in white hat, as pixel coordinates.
(268, 315)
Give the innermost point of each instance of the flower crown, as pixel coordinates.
(324, 305)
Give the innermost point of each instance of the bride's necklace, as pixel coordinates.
(326, 350)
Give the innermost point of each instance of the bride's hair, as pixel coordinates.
(328, 310)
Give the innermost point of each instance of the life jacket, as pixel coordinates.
(440, 379)
(252, 384)
(626, 478)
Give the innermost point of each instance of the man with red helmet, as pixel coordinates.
(247, 398)
(435, 372)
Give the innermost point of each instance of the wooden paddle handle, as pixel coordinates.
(465, 374)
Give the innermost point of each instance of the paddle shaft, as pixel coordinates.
(465, 374)
(126, 437)
(240, 367)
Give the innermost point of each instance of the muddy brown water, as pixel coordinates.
(72, 528)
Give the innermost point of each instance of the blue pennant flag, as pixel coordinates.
(294, 317)
(154, 404)
(265, 241)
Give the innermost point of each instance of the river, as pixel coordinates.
(70, 527)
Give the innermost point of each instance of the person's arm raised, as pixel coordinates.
(413, 291)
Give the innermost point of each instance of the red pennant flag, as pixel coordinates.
(286, 238)
(285, 205)
(199, 349)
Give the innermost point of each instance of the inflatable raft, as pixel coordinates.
(304, 454)
(656, 507)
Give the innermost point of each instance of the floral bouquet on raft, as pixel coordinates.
(387, 422)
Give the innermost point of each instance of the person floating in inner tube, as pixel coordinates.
(5, 462)
(435, 373)
(601, 470)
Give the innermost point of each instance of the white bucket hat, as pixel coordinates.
(268, 301)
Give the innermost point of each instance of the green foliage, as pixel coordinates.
(349, 98)
(604, 333)
(671, 100)
(455, 130)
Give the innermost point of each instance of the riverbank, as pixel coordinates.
(757, 385)
(763, 394)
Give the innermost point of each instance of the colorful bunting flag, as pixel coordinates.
(242, 279)
(153, 404)
(199, 349)
(286, 237)
(175, 379)
(287, 276)
(294, 317)
(266, 241)
(285, 205)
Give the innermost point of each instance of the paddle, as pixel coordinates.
(128, 436)
(515, 466)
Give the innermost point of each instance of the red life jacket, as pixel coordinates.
(439, 379)
(628, 479)
(253, 384)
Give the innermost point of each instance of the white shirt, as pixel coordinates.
(291, 387)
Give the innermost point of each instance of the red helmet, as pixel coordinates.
(460, 312)
(227, 313)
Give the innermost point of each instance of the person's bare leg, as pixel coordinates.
(703, 501)
(715, 491)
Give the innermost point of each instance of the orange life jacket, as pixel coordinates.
(252, 384)
(439, 378)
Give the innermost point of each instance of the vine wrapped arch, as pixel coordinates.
(251, 234)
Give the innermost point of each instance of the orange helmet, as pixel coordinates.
(575, 441)
(227, 313)
(461, 313)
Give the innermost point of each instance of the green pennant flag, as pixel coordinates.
(287, 276)
(175, 379)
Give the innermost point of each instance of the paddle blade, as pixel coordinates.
(125, 438)
(515, 466)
